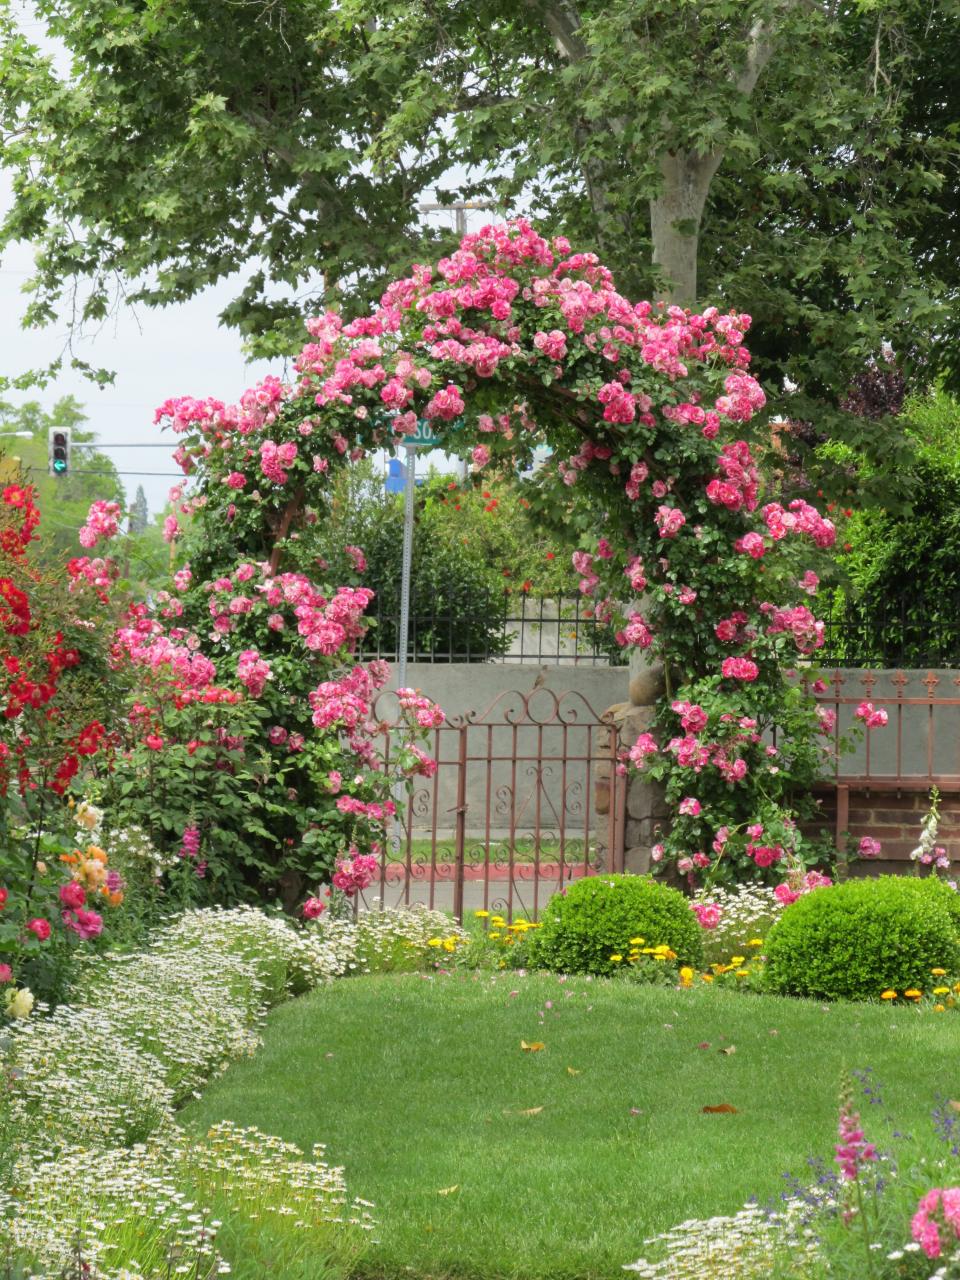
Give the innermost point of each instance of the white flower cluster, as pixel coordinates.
(94, 1204)
(93, 1087)
(747, 911)
(387, 940)
(743, 1246)
(131, 846)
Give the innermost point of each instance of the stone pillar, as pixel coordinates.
(646, 806)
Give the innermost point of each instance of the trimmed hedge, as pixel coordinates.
(854, 940)
(597, 917)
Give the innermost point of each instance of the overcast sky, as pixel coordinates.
(155, 353)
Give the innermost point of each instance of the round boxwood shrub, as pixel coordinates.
(597, 917)
(854, 940)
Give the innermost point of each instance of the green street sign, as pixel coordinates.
(423, 436)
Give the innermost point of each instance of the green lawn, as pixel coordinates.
(418, 1085)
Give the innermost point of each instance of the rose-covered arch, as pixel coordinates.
(662, 477)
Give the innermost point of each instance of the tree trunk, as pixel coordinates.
(675, 216)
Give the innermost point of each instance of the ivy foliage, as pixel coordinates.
(899, 603)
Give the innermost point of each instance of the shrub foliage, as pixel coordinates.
(855, 940)
(598, 916)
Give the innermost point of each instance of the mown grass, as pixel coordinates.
(486, 1160)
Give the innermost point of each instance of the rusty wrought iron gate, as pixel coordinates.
(526, 798)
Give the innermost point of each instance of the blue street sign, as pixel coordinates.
(396, 480)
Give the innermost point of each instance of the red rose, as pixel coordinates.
(72, 895)
(40, 927)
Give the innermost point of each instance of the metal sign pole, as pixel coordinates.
(406, 563)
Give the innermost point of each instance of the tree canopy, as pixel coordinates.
(795, 157)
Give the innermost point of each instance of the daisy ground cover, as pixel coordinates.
(486, 1158)
(98, 1177)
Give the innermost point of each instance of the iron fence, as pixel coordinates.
(511, 815)
(890, 637)
(515, 628)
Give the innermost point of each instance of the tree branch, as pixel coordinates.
(563, 23)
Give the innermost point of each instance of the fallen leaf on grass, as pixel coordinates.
(531, 1111)
(448, 1191)
(954, 1106)
(728, 1049)
(724, 1109)
(533, 1047)
(704, 1044)
(573, 1071)
(636, 1111)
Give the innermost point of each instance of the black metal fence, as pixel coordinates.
(898, 637)
(515, 628)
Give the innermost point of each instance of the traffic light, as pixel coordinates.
(59, 448)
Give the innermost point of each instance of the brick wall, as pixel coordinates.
(894, 819)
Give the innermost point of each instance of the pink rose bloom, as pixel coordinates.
(275, 622)
(751, 544)
(644, 746)
(72, 895)
(739, 669)
(783, 893)
(236, 480)
(335, 779)
(690, 806)
(6, 973)
(313, 908)
(480, 455)
(153, 741)
(40, 928)
(869, 848)
(85, 924)
(708, 914)
(765, 855)
(277, 735)
(873, 717)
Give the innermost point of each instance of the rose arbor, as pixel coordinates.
(656, 478)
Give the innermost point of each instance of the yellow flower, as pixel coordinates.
(616, 959)
(449, 944)
(742, 973)
(755, 942)
(637, 942)
(938, 1008)
(912, 993)
(735, 960)
(686, 976)
(481, 915)
(941, 991)
(707, 977)
(19, 1003)
(495, 935)
(938, 973)
(434, 942)
(888, 995)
